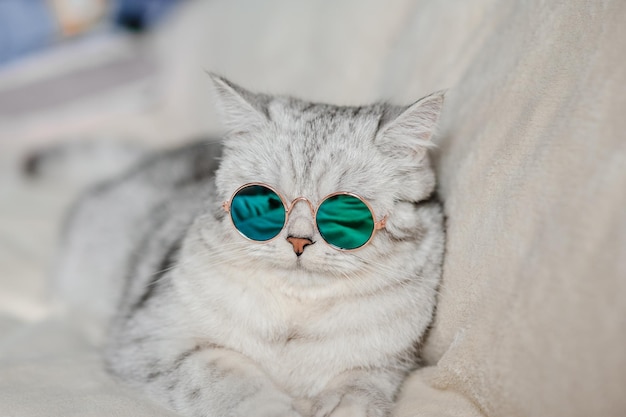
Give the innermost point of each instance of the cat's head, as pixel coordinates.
(311, 150)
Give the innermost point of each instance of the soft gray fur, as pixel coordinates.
(211, 324)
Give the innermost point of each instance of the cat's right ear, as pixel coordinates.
(405, 133)
(241, 110)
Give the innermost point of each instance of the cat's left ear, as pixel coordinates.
(406, 132)
(241, 110)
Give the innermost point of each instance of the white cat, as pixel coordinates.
(213, 323)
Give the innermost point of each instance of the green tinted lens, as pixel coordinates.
(345, 221)
(257, 212)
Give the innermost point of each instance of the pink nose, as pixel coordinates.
(299, 243)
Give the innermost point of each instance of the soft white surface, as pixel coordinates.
(532, 166)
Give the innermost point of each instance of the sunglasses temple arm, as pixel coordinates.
(226, 206)
(380, 224)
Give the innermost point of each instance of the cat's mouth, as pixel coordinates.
(310, 265)
(302, 264)
(299, 265)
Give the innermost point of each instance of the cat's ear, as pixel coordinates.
(241, 110)
(406, 132)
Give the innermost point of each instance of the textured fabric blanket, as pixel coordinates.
(531, 158)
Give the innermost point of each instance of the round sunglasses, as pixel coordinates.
(344, 220)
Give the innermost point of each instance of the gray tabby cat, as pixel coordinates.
(213, 324)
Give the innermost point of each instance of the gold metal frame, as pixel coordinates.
(378, 225)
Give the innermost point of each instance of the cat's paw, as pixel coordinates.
(266, 404)
(336, 403)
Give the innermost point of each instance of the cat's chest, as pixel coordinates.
(308, 347)
(302, 344)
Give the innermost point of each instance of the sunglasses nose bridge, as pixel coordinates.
(296, 201)
(299, 223)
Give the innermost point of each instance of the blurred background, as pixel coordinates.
(70, 70)
(135, 69)
(73, 66)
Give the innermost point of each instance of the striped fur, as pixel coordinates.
(211, 324)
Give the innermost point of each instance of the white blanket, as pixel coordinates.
(532, 168)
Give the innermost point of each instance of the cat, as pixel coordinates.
(210, 323)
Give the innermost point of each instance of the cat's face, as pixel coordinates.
(312, 150)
